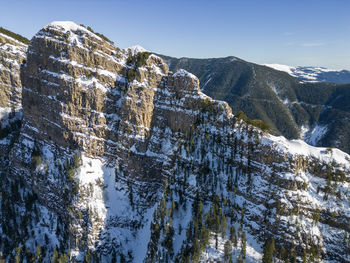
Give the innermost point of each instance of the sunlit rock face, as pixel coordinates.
(12, 54)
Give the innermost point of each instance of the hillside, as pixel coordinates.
(317, 112)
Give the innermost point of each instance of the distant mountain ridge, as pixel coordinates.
(314, 74)
(318, 112)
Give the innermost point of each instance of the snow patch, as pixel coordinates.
(316, 135)
(136, 49)
(70, 26)
(280, 67)
(300, 147)
(184, 73)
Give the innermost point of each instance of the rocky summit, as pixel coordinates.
(118, 159)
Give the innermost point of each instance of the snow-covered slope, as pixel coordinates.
(313, 74)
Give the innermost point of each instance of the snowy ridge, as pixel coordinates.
(284, 68)
(313, 74)
(299, 147)
(66, 26)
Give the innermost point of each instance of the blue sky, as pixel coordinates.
(299, 32)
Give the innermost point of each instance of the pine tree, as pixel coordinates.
(244, 245)
(232, 233)
(269, 251)
(283, 254)
(200, 209)
(63, 258)
(195, 250)
(304, 257)
(18, 254)
(38, 254)
(114, 257)
(293, 257)
(131, 197)
(87, 258)
(227, 250)
(223, 226)
(55, 256)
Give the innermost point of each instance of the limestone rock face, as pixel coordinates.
(12, 54)
(119, 152)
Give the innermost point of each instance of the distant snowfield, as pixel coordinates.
(310, 74)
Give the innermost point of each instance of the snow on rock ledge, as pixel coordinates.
(300, 147)
(73, 27)
(184, 73)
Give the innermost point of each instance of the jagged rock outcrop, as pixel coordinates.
(120, 159)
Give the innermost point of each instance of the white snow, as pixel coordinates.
(303, 131)
(4, 112)
(136, 49)
(300, 147)
(284, 68)
(184, 73)
(317, 133)
(108, 198)
(70, 26)
(309, 74)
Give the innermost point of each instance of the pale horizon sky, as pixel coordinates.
(295, 33)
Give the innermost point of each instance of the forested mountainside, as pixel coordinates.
(317, 112)
(118, 159)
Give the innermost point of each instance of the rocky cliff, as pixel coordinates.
(119, 159)
(12, 54)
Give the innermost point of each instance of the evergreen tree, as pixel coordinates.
(283, 254)
(269, 251)
(244, 245)
(227, 250)
(38, 254)
(232, 233)
(131, 197)
(293, 258)
(195, 250)
(304, 257)
(63, 258)
(55, 256)
(223, 226)
(18, 254)
(114, 257)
